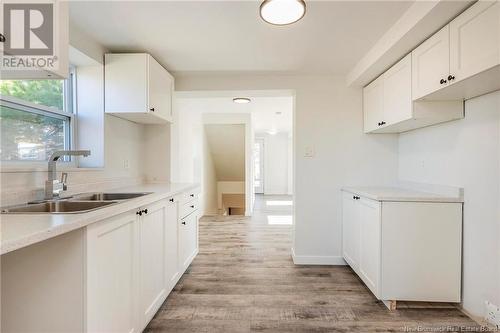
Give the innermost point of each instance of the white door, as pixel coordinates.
(112, 274)
(475, 40)
(160, 90)
(370, 227)
(153, 281)
(188, 239)
(258, 158)
(350, 230)
(171, 245)
(373, 105)
(431, 64)
(397, 92)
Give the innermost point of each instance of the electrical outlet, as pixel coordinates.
(492, 314)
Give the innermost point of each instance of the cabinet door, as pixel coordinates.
(125, 83)
(160, 90)
(475, 40)
(350, 230)
(112, 274)
(373, 104)
(171, 245)
(431, 64)
(188, 239)
(397, 92)
(370, 226)
(153, 285)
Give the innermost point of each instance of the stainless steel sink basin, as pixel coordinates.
(107, 196)
(58, 207)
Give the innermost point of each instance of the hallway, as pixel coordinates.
(244, 280)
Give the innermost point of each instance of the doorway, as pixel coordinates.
(258, 158)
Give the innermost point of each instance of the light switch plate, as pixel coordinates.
(309, 152)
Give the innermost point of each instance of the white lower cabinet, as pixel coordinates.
(153, 222)
(133, 261)
(408, 251)
(112, 264)
(188, 239)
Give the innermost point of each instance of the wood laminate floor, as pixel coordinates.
(244, 280)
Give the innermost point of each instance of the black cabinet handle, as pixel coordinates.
(145, 211)
(152, 109)
(171, 199)
(2, 38)
(383, 123)
(451, 77)
(191, 195)
(443, 81)
(379, 124)
(183, 222)
(139, 213)
(355, 197)
(192, 206)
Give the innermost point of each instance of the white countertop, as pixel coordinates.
(20, 230)
(381, 193)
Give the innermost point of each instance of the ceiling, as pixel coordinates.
(229, 35)
(263, 109)
(227, 146)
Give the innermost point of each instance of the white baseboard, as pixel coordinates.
(317, 260)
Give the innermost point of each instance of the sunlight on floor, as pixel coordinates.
(280, 219)
(279, 203)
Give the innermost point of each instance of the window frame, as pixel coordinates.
(68, 114)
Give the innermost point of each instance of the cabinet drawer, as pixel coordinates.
(188, 196)
(188, 208)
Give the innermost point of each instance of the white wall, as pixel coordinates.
(209, 186)
(328, 117)
(466, 153)
(276, 163)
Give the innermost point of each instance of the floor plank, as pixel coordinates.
(244, 280)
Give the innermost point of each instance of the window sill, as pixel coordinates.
(42, 167)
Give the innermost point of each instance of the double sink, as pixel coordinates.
(79, 203)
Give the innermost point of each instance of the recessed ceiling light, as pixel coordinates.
(241, 100)
(282, 12)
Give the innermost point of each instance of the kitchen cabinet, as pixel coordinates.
(431, 64)
(373, 104)
(388, 106)
(188, 239)
(134, 261)
(172, 269)
(153, 222)
(137, 88)
(462, 60)
(112, 266)
(403, 250)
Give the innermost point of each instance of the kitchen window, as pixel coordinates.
(36, 118)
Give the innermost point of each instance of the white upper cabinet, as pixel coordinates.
(388, 106)
(397, 92)
(475, 40)
(137, 88)
(431, 64)
(373, 104)
(462, 60)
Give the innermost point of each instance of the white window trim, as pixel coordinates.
(70, 106)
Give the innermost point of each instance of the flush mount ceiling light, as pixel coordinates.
(282, 12)
(241, 100)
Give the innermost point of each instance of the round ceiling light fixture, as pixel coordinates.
(241, 100)
(282, 12)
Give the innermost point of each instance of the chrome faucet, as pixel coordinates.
(53, 186)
